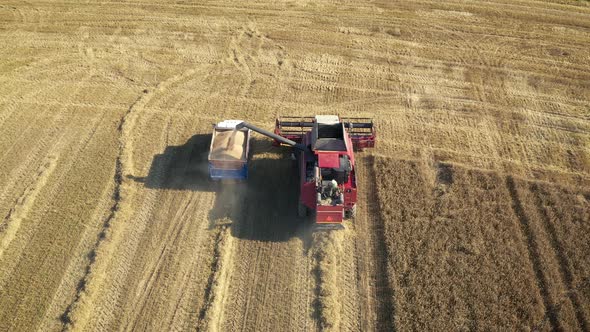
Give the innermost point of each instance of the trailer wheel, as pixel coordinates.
(301, 210)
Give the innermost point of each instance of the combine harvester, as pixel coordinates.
(324, 147)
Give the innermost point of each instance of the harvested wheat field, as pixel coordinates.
(473, 211)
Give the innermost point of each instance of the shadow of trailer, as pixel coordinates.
(262, 208)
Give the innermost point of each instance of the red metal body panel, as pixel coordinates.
(308, 194)
(350, 196)
(329, 214)
(328, 160)
(363, 142)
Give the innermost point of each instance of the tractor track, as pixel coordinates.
(147, 285)
(533, 253)
(351, 313)
(120, 168)
(124, 165)
(379, 308)
(24, 203)
(33, 157)
(161, 266)
(302, 317)
(565, 270)
(52, 186)
(271, 270)
(116, 199)
(68, 288)
(173, 263)
(12, 221)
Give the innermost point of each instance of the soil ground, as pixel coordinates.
(474, 208)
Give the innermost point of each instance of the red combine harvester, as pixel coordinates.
(325, 147)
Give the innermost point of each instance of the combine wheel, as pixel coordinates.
(351, 213)
(301, 210)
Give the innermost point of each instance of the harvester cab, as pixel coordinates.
(325, 146)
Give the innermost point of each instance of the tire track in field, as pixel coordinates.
(10, 107)
(171, 238)
(166, 283)
(185, 315)
(41, 144)
(192, 243)
(533, 252)
(122, 190)
(116, 198)
(66, 317)
(20, 251)
(351, 296)
(302, 304)
(565, 270)
(270, 274)
(79, 310)
(155, 268)
(259, 319)
(31, 16)
(54, 317)
(260, 250)
(57, 120)
(51, 149)
(11, 223)
(140, 296)
(379, 308)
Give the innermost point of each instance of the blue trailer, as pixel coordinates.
(229, 151)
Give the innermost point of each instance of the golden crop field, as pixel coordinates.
(473, 211)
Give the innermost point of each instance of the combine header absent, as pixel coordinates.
(324, 147)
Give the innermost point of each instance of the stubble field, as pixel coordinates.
(474, 208)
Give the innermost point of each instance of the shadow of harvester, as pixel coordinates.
(262, 208)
